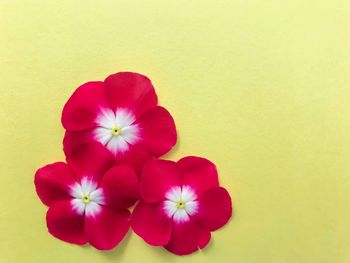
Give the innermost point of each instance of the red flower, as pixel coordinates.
(180, 204)
(88, 197)
(122, 114)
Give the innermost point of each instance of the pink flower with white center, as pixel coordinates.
(121, 113)
(180, 204)
(88, 197)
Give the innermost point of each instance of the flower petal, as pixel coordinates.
(157, 131)
(91, 160)
(106, 229)
(66, 224)
(130, 90)
(72, 139)
(136, 156)
(215, 208)
(82, 107)
(120, 187)
(187, 237)
(52, 182)
(157, 178)
(198, 173)
(150, 222)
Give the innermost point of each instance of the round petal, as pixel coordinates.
(198, 173)
(52, 182)
(136, 157)
(72, 139)
(150, 222)
(130, 90)
(215, 208)
(157, 178)
(158, 131)
(187, 237)
(120, 187)
(65, 224)
(91, 160)
(106, 229)
(82, 107)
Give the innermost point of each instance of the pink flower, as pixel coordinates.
(88, 197)
(122, 114)
(181, 203)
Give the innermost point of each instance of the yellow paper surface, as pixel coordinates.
(261, 88)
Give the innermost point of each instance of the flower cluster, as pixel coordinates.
(115, 133)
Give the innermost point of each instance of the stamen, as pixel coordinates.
(116, 131)
(85, 199)
(180, 204)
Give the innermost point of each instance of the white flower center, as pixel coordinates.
(116, 130)
(180, 203)
(87, 198)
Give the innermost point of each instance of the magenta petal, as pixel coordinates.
(136, 157)
(120, 187)
(187, 237)
(204, 239)
(150, 222)
(158, 176)
(215, 208)
(52, 182)
(106, 229)
(82, 107)
(130, 90)
(73, 139)
(91, 160)
(198, 173)
(65, 224)
(158, 131)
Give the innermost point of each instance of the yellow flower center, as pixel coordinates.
(85, 199)
(180, 204)
(116, 131)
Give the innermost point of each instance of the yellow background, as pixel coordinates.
(262, 88)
